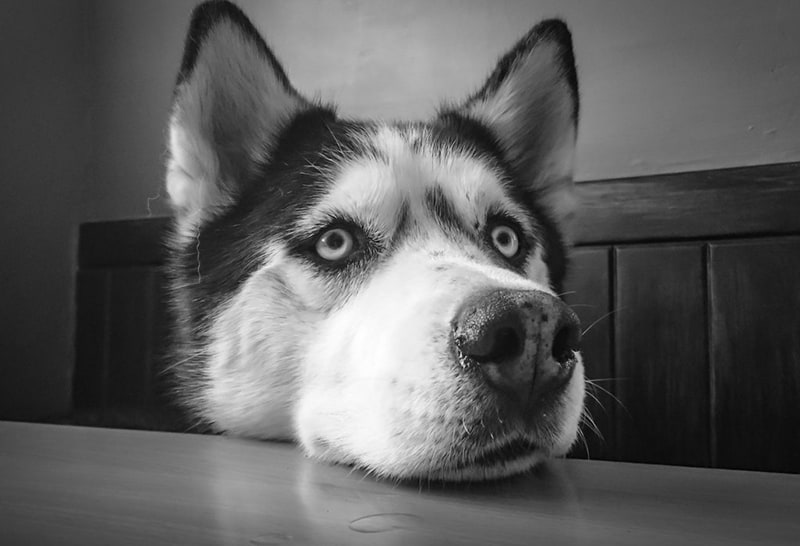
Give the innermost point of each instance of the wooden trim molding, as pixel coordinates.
(118, 243)
(740, 202)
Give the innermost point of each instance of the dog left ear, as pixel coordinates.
(530, 104)
(231, 100)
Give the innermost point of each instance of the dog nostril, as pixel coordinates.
(566, 341)
(504, 343)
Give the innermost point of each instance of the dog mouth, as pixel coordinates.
(509, 451)
(505, 459)
(495, 458)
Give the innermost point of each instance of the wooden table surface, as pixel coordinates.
(72, 485)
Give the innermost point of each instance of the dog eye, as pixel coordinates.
(505, 240)
(335, 244)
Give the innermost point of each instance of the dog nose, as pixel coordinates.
(523, 341)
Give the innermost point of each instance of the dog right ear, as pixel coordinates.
(231, 99)
(530, 105)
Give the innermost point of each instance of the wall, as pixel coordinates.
(666, 86)
(44, 153)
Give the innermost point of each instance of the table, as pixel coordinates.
(88, 486)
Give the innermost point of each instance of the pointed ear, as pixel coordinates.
(530, 104)
(231, 99)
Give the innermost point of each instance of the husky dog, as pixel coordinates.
(385, 294)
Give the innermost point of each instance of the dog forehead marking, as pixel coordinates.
(404, 166)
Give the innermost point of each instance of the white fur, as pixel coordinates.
(252, 380)
(232, 89)
(373, 189)
(365, 376)
(363, 372)
(531, 113)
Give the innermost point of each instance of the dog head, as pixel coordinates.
(383, 293)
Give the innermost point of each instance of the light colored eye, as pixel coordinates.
(505, 240)
(335, 244)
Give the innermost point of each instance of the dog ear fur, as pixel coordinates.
(231, 99)
(530, 103)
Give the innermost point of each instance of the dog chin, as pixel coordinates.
(476, 456)
(508, 459)
(485, 471)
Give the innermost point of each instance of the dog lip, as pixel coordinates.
(510, 450)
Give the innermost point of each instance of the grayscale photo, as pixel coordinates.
(377, 272)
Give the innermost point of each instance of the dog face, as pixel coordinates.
(383, 293)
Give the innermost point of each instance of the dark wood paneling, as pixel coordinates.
(656, 348)
(588, 292)
(661, 355)
(91, 336)
(121, 338)
(721, 203)
(122, 243)
(159, 394)
(755, 352)
(131, 354)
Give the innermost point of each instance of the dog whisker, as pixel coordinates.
(600, 319)
(594, 397)
(593, 385)
(172, 366)
(197, 252)
(587, 418)
(149, 200)
(582, 438)
(338, 144)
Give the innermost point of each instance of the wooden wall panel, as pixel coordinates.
(743, 201)
(683, 299)
(130, 336)
(123, 243)
(588, 292)
(121, 339)
(720, 203)
(91, 347)
(661, 354)
(158, 391)
(755, 353)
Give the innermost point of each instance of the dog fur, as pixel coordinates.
(279, 337)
